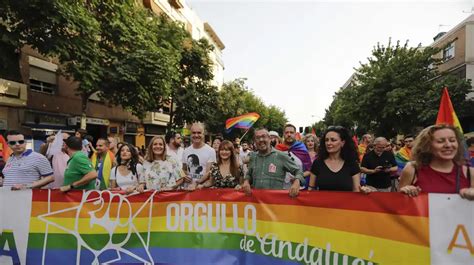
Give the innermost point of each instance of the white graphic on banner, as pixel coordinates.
(451, 229)
(97, 210)
(15, 208)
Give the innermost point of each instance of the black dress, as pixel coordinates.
(335, 181)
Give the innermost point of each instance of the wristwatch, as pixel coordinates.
(72, 186)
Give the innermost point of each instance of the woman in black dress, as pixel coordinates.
(336, 167)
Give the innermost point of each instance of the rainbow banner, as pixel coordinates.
(243, 121)
(227, 227)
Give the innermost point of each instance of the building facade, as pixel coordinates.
(44, 101)
(457, 56)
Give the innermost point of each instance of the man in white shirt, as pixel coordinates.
(197, 158)
(25, 168)
(173, 140)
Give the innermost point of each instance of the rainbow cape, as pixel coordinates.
(104, 169)
(300, 151)
(243, 121)
(446, 113)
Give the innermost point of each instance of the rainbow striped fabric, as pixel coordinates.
(227, 227)
(402, 157)
(243, 121)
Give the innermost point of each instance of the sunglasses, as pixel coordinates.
(16, 142)
(338, 127)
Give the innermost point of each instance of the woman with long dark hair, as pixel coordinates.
(226, 173)
(128, 174)
(336, 167)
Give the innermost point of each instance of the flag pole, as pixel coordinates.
(241, 138)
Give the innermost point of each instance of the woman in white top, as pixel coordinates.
(128, 175)
(162, 172)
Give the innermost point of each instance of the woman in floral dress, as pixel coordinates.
(162, 172)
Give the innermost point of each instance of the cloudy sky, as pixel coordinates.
(296, 54)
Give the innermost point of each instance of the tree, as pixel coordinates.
(114, 48)
(236, 99)
(399, 88)
(194, 95)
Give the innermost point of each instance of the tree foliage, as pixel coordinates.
(397, 90)
(194, 95)
(118, 49)
(235, 99)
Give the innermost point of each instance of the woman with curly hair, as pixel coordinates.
(438, 164)
(128, 174)
(336, 167)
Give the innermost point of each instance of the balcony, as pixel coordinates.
(176, 4)
(156, 118)
(12, 93)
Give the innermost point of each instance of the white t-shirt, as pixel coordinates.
(289, 177)
(129, 180)
(178, 154)
(197, 159)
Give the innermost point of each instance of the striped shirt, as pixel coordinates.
(26, 169)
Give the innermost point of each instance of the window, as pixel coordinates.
(448, 52)
(42, 80)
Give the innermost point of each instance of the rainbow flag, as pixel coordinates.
(402, 157)
(243, 121)
(446, 113)
(227, 227)
(5, 150)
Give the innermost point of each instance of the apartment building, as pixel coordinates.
(42, 101)
(457, 56)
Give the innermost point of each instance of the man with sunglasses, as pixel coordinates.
(25, 168)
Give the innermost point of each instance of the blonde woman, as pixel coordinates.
(311, 142)
(162, 171)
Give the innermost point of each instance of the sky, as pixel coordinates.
(297, 54)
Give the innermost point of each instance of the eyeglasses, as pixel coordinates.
(261, 137)
(16, 142)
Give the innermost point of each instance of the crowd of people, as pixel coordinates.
(433, 161)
